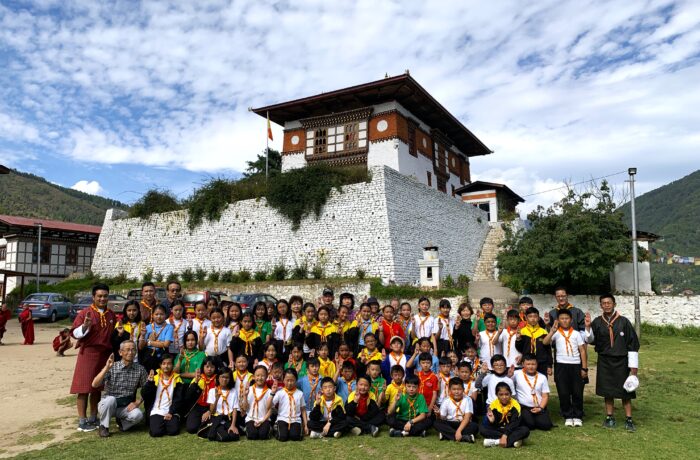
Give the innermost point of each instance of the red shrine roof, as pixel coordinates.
(29, 222)
(402, 88)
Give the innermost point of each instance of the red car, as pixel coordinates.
(192, 297)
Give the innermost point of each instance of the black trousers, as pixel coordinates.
(193, 422)
(448, 429)
(337, 424)
(540, 421)
(158, 426)
(289, 431)
(261, 432)
(221, 362)
(366, 424)
(219, 430)
(443, 347)
(570, 385)
(518, 434)
(542, 368)
(416, 428)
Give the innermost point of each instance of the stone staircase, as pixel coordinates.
(485, 282)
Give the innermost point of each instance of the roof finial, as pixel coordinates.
(407, 72)
(386, 75)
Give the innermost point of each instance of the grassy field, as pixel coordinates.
(667, 414)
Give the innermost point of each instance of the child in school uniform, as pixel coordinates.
(488, 380)
(346, 381)
(163, 396)
(159, 335)
(62, 342)
(215, 340)
(424, 324)
(374, 373)
(456, 412)
(269, 356)
(443, 329)
(275, 379)
(428, 382)
(177, 309)
(262, 321)
(395, 357)
(196, 396)
(396, 385)
(406, 322)
(530, 340)
(303, 325)
(532, 392)
(423, 345)
(296, 360)
(130, 327)
(200, 320)
(489, 345)
(257, 406)
(327, 368)
(327, 418)
(345, 355)
(191, 358)
(291, 410)
(347, 327)
(365, 325)
(368, 354)
(242, 379)
(363, 413)
(284, 328)
(408, 413)
(233, 318)
(389, 328)
(443, 382)
(247, 342)
(224, 406)
(507, 338)
(323, 332)
(486, 306)
(310, 384)
(503, 426)
(464, 372)
(571, 367)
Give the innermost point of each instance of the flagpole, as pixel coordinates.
(267, 147)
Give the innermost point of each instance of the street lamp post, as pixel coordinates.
(635, 272)
(38, 256)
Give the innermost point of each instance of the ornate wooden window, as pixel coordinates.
(340, 133)
(71, 255)
(412, 139)
(430, 179)
(320, 143)
(3, 252)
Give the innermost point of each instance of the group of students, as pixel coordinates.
(297, 369)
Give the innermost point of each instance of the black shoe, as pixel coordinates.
(629, 425)
(104, 432)
(609, 422)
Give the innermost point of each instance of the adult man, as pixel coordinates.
(121, 380)
(148, 301)
(327, 301)
(617, 346)
(172, 293)
(577, 316)
(93, 329)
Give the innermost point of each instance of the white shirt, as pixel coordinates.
(448, 327)
(568, 354)
(283, 329)
(257, 413)
(197, 326)
(226, 404)
(455, 412)
(397, 362)
(163, 401)
(223, 339)
(486, 349)
(424, 327)
(490, 382)
(470, 388)
(443, 388)
(289, 409)
(240, 386)
(509, 350)
(178, 335)
(525, 385)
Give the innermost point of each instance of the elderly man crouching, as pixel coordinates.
(121, 381)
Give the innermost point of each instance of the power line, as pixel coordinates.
(577, 183)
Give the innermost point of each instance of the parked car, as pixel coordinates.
(135, 294)
(247, 300)
(191, 297)
(116, 303)
(46, 305)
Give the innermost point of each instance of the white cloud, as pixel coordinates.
(92, 187)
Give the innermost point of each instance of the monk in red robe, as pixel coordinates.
(27, 323)
(5, 315)
(92, 328)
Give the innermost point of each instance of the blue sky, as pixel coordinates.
(115, 98)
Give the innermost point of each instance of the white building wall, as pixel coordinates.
(295, 161)
(384, 153)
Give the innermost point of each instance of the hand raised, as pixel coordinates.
(110, 361)
(555, 326)
(150, 375)
(88, 321)
(546, 317)
(587, 320)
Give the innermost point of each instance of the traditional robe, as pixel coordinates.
(617, 346)
(95, 348)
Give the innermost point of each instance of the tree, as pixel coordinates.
(257, 167)
(574, 243)
(153, 202)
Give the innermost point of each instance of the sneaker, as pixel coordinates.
(517, 444)
(315, 435)
(468, 438)
(609, 422)
(578, 422)
(491, 443)
(356, 431)
(395, 433)
(423, 434)
(374, 430)
(440, 436)
(104, 432)
(338, 434)
(629, 425)
(569, 422)
(405, 433)
(86, 427)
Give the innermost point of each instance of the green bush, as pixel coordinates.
(154, 202)
(448, 282)
(200, 274)
(360, 274)
(158, 277)
(317, 271)
(671, 331)
(172, 277)
(208, 201)
(187, 275)
(121, 278)
(300, 272)
(377, 289)
(462, 282)
(260, 275)
(214, 276)
(279, 272)
(244, 276)
(147, 276)
(227, 276)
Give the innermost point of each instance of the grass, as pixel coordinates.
(412, 292)
(666, 414)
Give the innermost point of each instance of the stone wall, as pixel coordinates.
(660, 310)
(380, 227)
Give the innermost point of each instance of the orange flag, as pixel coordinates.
(269, 127)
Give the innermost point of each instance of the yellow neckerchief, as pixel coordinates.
(423, 319)
(567, 338)
(510, 338)
(405, 324)
(325, 364)
(103, 320)
(492, 346)
(302, 323)
(323, 331)
(399, 388)
(187, 356)
(351, 396)
(505, 410)
(150, 309)
(174, 380)
(234, 326)
(532, 386)
(328, 408)
(248, 337)
(241, 382)
(567, 307)
(459, 413)
(533, 333)
(201, 324)
(317, 380)
(216, 333)
(345, 326)
(365, 330)
(445, 321)
(257, 399)
(132, 328)
(373, 357)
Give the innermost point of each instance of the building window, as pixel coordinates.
(430, 179)
(45, 253)
(453, 190)
(320, 141)
(340, 138)
(429, 273)
(72, 255)
(412, 139)
(441, 184)
(3, 252)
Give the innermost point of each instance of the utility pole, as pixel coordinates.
(635, 272)
(38, 256)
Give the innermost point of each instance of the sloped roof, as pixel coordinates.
(479, 186)
(29, 222)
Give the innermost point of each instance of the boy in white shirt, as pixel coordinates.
(532, 392)
(489, 345)
(443, 329)
(291, 409)
(455, 421)
(506, 338)
(424, 324)
(163, 395)
(571, 368)
(489, 379)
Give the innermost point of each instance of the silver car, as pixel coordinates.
(46, 305)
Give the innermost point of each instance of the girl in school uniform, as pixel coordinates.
(296, 304)
(262, 321)
(424, 324)
(215, 341)
(159, 335)
(346, 327)
(296, 360)
(200, 320)
(233, 318)
(282, 332)
(323, 332)
(191, 358)
(130, 327)
(196, 396)
(503, 427)
(443, 329)
(291, 409)
(269, 356)
(179, 324)
(247, 342)
(258, 407)
(163, 396)
(223, 405)
(302, 327)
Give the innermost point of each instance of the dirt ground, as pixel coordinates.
(37, 409)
